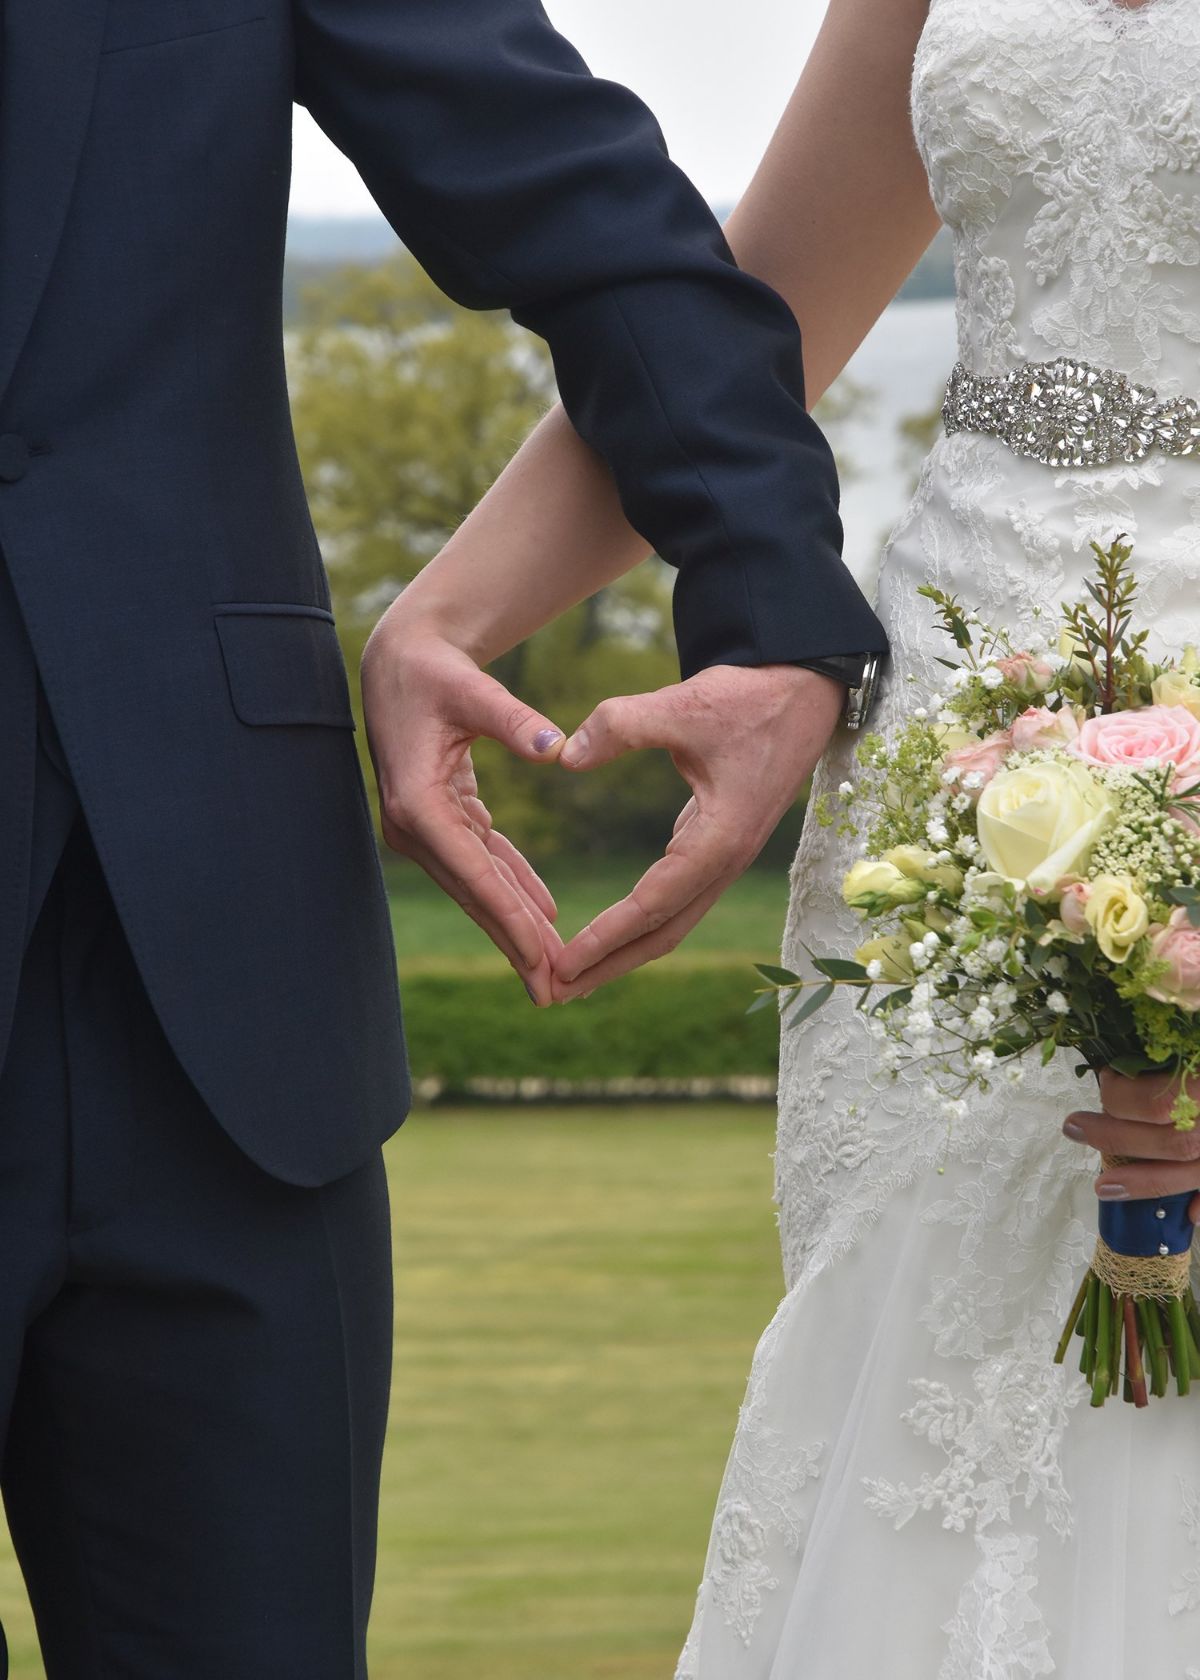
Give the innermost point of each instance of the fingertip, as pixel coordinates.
(547, 742)
(575, 750)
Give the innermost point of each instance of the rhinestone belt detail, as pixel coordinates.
(1071, 414)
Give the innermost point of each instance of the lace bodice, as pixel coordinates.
(1062, 139)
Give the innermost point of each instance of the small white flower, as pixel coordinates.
(961, 803)
(937, 831)
(874, 969)
(1057, 1004)
(1014, 1073)
(921, 713)
(951, 774)
(991, 676)
(981, 1021)
(960, 678)
(1004, 995)
(931, 941)
(1056, 968)
(920, 1021)
(973, 780)
(918, 955)
(984, 1060)
(949, 718)
(846, 790)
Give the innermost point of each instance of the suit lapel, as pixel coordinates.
(51, 53)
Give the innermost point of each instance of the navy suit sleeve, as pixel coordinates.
(521, 181)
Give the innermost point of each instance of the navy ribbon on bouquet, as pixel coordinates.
(1147, 1225)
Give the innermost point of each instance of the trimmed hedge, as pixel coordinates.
(679, 1021)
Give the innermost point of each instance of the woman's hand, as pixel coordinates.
(425, 702)
(1137, 1122)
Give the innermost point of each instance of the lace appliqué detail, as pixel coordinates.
(997, 1629)
(761, 1501)
(1185, 1588)
(1104, 130)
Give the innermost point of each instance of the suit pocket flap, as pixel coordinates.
(284, 665)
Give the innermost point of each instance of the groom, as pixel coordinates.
(200, 1037)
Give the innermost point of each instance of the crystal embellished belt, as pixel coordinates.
(1070, 414)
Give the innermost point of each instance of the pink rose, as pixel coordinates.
(1128, 740)
(980, 759)
(1026, 672)
(1072, 905)
(1040, 727)
(1178, 945)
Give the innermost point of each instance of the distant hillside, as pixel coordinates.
(318, 244)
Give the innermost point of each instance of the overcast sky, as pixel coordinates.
(716, 72)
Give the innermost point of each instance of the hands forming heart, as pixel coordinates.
(745, 739)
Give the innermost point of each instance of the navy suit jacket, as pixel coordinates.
(152, 515)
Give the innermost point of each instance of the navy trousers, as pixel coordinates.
(194, 1356)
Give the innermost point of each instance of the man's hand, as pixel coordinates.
(1137, 1122)
(745, 739)
(426, 701)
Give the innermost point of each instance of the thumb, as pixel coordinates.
(626, 723)
(489, 709)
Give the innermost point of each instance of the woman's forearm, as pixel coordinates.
(552, 528)
(834, 220)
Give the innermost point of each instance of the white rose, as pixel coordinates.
(1038, 822)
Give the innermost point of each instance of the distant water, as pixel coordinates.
(903, 363)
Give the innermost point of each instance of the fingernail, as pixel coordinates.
(545, 739)
(530, 993)
(1074, 1130)
(1112, 1193)
(576, 747)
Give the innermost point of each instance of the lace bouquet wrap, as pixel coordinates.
(1031, 874)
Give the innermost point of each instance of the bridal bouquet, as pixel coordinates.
(1031, 874)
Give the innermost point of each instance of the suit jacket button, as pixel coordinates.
(14, 458)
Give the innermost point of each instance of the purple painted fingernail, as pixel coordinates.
(530, 993)
(545, 739)
(1113, 1193)
(1074, 1130)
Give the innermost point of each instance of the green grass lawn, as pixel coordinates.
(431, 929)
(579, 1293)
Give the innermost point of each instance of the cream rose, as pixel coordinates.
(891, 953)
(1177, 943)
(1176, 688)
(871, 879)
(1117, 914)
(916, 862)
(1128, 740)
(1038, 822)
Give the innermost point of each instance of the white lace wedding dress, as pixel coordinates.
(915, 1491)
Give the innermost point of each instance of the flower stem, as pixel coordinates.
(1152, 1326)
(1180, 1339)
(1114, 1352)
(1087, 1359)
(1103, 1347)
(1060, 1353)
(1135, 1373)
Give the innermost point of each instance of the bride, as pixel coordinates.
(915, 1492)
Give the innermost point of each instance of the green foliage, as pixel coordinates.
(683, 1022)
(1109, 665)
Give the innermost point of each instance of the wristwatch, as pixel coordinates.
(859, 672)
